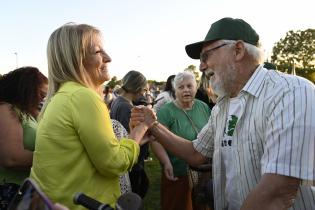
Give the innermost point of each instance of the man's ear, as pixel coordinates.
(239, 50)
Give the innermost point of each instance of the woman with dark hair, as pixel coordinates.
(167, 95)
(21, 94)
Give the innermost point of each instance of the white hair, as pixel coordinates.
(184, 75)
(254, 51)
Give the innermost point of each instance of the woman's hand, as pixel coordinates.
(136, 116)
(141, 119)
(142, 114)
(149, 117)
(146, 138)
(168, 171)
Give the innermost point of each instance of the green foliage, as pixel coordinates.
(154, 82)
(113, 82)
(194, 70)
(307, 73)
(296, 51)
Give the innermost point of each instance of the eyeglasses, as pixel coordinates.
(204, 56)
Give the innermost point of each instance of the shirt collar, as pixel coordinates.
(255, 84)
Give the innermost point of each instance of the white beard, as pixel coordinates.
(217, 88)
(222, 82)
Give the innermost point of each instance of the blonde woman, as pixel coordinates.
(76, 148)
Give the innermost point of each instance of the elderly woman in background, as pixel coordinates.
(76, 149)
(185, 117)
(21, 94)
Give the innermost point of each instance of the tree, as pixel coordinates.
(113, 82)
(193, 69)
(296, 51)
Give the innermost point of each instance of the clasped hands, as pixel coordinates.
(143, 115)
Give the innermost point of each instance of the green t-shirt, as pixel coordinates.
(29, 126)
(176, 120)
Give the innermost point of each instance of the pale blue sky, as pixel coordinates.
(145, 35)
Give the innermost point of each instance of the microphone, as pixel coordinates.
(128, 201)
(90, 203)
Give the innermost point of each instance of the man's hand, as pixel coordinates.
(136, 116)
(142, 114)
(273, 192)
(149, 116)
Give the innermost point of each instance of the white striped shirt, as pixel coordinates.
(275, 134)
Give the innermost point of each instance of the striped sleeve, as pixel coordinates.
(290, 137)
(205, 140)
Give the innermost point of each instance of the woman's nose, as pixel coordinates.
(106, 58)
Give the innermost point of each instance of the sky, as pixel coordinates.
(144, 35)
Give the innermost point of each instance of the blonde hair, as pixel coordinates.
(66, 50)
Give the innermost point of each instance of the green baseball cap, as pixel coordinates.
(225, 28)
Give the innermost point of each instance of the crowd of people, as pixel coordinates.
(254, 125)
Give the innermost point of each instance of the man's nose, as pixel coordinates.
(202, 66)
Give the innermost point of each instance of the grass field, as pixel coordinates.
(152, 198)
(153, 170)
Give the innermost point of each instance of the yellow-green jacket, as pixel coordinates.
(76, 149)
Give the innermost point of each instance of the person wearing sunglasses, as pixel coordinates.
(261, 133)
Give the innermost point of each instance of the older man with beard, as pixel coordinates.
(261, 132)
